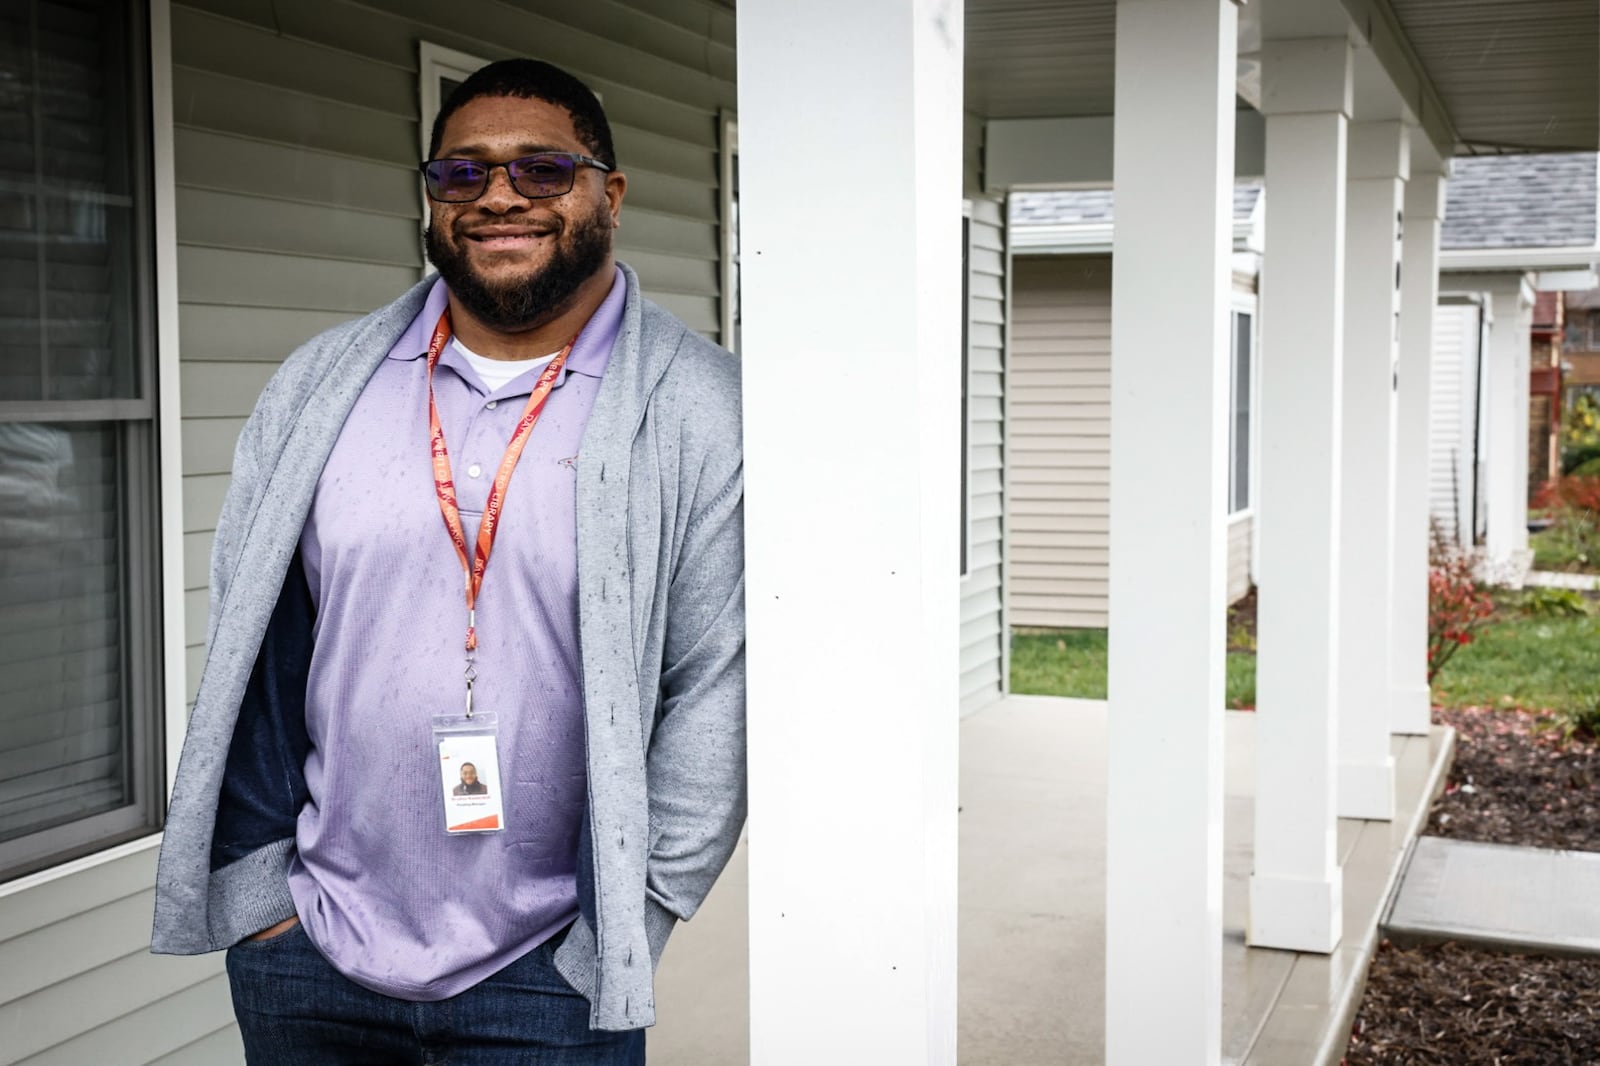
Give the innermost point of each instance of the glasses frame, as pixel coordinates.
(488, 177)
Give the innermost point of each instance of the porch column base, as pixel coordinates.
(1296, 913)
(1366, 790)
(1411, 710)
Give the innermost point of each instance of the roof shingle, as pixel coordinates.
(1521, 201)
(1079, 206)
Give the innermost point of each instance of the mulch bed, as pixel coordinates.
(1449, 1005)
(1515, 781)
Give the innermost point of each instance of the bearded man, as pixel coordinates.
(530, 409)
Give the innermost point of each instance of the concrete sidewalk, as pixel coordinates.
(1515, 898)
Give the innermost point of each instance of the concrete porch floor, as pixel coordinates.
(1032, 912)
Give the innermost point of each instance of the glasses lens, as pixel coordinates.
(542, 175)
(456, 179)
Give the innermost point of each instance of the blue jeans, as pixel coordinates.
(295, 1009)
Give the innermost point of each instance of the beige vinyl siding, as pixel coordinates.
(1059, 446)
(78, 983)
(1452, 404)
(298, 207)
(982, 623)
(1059, 441)
(1241, 530)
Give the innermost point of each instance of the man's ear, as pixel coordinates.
(616, 188)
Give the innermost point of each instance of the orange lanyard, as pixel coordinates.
(444, 486)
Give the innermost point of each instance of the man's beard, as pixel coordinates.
(532, 299)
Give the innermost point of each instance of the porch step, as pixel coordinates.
(1513, 898)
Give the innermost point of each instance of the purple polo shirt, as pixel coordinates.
(395, 903)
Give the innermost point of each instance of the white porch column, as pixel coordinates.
(1506, 436)
(851, 292)
(1296, 888)
(1176, 63)
(1378, 165)
(1411, 702)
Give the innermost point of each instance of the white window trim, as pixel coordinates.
(433, 62)
(169, 413)
(729, 234)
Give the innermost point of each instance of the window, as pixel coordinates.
(1582, 332)
(441, 70)
(80, 734)
(1240, 384)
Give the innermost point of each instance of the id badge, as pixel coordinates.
(469, 772)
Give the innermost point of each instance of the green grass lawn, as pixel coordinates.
(1072, 662)
(1535, 663)
(1558, 549)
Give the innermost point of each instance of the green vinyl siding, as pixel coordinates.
(78, 983)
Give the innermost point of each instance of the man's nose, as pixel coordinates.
(501, 195)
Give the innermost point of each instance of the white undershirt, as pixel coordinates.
(496, 372)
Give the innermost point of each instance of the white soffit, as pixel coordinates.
(1513, 76)
(1037, 58)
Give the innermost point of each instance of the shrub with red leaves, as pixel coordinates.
(1574, 493)
(1458, 607)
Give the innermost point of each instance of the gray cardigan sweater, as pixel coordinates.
(661, 629)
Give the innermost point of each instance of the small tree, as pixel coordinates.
(1458, 608)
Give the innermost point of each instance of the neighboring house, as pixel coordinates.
(1519, 232)
(1580, 347)
(1058, 502)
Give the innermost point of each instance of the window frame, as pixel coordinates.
(435, 62)
(1243, 305)
(728, 230)
(143, 432)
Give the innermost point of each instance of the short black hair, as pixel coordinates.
(533, 79)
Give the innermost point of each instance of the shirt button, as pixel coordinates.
(492, 404)
(474, 470)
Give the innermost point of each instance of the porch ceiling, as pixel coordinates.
(1523, 76)
(1040, 58)
(1513, 76)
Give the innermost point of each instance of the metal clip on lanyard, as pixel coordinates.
(472, 653)
(444, 485)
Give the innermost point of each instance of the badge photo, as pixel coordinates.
(469, 777)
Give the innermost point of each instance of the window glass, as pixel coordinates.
(66, 223)
(1239, 416)
(63, 748)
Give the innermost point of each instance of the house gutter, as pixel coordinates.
(1583, 257)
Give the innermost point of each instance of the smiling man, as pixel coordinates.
(496, 524)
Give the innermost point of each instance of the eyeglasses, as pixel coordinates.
(460, 181)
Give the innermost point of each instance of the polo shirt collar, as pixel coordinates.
(589, 355)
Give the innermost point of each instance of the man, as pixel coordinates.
(360, 636)
(470, 785)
